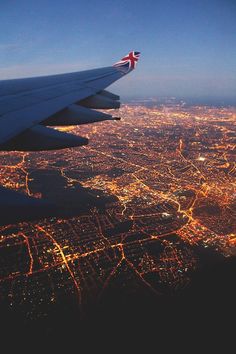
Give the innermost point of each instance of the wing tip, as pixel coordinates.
(128, 62)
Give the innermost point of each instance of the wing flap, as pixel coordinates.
(109, 95)
(99, 102)
(77, 115)
(40, 138)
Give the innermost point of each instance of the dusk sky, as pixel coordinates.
(188, 47)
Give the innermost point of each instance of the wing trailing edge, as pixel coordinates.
(41, 138)
(77, 115)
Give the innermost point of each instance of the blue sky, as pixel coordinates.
(188, 47)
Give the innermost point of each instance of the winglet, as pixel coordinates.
(129, 62)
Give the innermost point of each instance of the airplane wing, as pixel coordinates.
(30, 106)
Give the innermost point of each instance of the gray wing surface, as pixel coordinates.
(25, 103)
(30, 107)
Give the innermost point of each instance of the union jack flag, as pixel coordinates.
(129, 61)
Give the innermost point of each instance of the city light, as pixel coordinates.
(140, 196)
